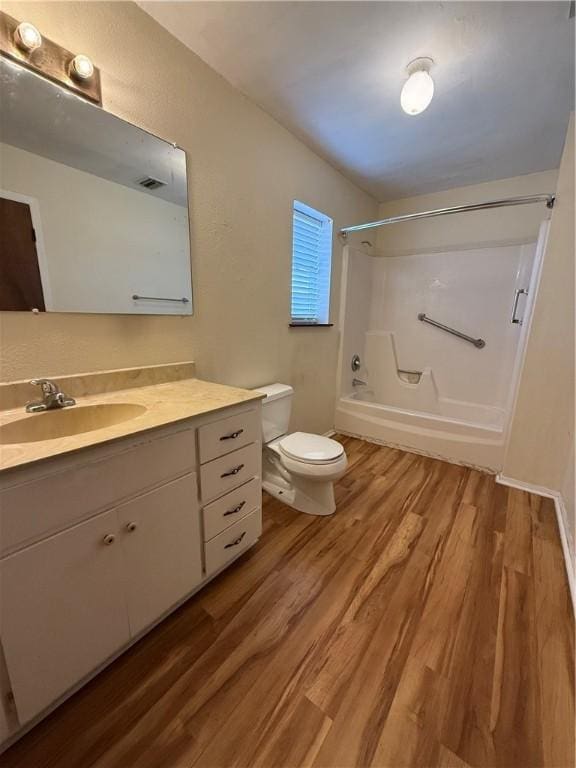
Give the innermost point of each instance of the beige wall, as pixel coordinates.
(245, 171)
(541, 448)
(465, 230)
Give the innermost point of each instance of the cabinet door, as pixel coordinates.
(160, 535)
(62, 611)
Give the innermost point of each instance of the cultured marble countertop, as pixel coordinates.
(165, 404)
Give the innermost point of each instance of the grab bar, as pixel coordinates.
(479, 343)
(519, 292)
(136, 297)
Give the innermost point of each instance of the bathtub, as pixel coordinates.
(463, 433)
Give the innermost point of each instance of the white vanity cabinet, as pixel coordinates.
(62, 611)
(99, 545)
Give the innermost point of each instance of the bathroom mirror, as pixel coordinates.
(93, 210)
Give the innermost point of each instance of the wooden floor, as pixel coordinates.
(427, 623)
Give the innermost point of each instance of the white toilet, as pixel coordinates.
(298, 468)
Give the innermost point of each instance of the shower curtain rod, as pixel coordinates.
(508, 201)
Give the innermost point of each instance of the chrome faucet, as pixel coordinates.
(358, 383)
(52, 397)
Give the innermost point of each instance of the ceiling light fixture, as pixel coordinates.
(27, 37)
(81, 67)
(418, 90)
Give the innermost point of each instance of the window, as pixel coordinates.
(311, 262)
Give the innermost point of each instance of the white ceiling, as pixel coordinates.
(332, 72)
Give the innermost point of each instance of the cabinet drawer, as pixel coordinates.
(55, 500)
(224, 512)
(221, 437)
(228, 544)
(228, 472)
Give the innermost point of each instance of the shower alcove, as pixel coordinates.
(419, 387)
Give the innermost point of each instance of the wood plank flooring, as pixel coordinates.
(427, 623)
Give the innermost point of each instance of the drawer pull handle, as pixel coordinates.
(233, 471)
(232, 435)
(236, 541)
(235, 510)
(109, 539)
(131, 527)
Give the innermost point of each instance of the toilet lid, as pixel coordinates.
(314, 449)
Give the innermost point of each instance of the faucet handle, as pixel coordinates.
(48, 387)
(52, 397)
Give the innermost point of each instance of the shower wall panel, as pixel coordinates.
(470, 290)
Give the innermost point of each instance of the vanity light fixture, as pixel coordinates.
(27, 37)
(81, 67)
(418, 90)
(22, 43)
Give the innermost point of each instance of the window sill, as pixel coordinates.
(310, 325)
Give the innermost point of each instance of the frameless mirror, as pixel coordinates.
(93, 210)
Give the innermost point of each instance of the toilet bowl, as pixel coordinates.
(298, 468)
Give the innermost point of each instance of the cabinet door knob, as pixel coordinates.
(131, 526)
(109, 539)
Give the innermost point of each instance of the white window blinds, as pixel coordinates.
(311, 263)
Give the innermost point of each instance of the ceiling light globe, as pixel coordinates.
(417, 92)
(27, 36)
(82, 67)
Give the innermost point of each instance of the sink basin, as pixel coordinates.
(75, 420)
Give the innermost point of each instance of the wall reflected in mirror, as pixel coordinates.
(93, 210)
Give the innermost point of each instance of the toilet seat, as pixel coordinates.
(327, 471)
(310, 449)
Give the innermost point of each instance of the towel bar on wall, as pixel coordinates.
(478, 343)
(136, 297)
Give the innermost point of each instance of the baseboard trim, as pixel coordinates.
(561, 515)
(417, 452)
(539, 490)
(330, 433)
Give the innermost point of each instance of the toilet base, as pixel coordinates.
(311, 497)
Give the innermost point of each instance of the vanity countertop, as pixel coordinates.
(164, 403)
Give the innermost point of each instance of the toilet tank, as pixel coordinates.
(276, 408)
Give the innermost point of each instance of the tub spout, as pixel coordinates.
(358, 383)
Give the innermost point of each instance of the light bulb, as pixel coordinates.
(417, 92)
(81, 67)
(26, 36)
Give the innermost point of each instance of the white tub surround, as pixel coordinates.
(474, 445)
(427, 390)
(388, 384)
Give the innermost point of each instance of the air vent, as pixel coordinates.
(150, 183)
